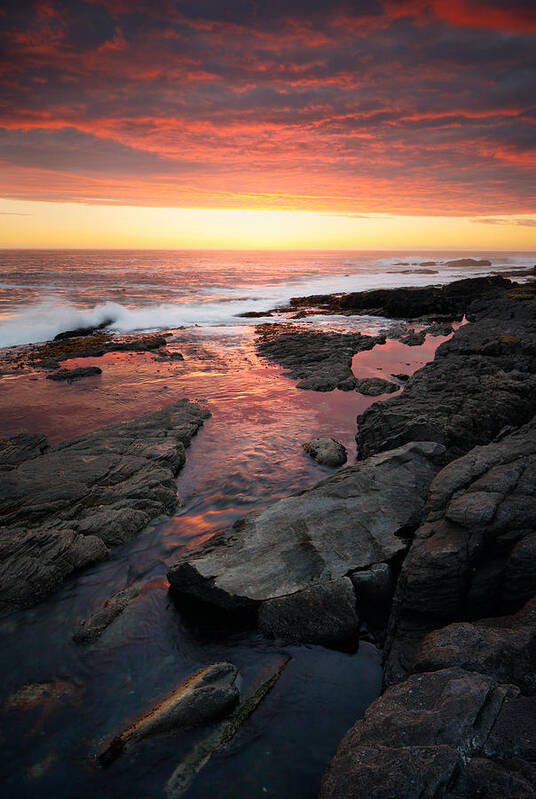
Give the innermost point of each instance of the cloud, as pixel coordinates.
(509, 222)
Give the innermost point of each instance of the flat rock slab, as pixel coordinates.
(61, 506)
(69, 375)
(349, 521)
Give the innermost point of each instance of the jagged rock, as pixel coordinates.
(373, 386)
(94, 625)
(208, 695)
(74, 374)
(503, 647)
(413, 339)
(481, 380)
(34, 563)
(319, 361)
(439, 329)
(474, 554)
(350, 521)
(326, 451)
(325, 614)
(451, 300)
(108, 484)
(416, 739)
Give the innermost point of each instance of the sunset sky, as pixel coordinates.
(384, 123)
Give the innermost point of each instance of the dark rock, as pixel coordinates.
(326, 451)
(349, 521)
(451, 300)
(417, 738)
(108, 484)
(319, 361)
(503, 647)
(208, 695)
(373, 386)
(322, 614)
(482, 380)
(374, 588)
(82, 331)
(402, 376)
(254, 314)
(428, 263)
(469, 262)
(34, 563)
(75, 374)
(94, 625)
(93, 346)
(413, 339)
(474, 554)
(439, 329)
(21, 447)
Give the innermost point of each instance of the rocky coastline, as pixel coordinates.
(426, 545)
(447, 473)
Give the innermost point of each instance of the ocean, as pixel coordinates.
(43, 292)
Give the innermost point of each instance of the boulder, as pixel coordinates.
(354, 519)
(418, 737)
(374, 386)
(324, 614)
(326, 451)
(208, 695)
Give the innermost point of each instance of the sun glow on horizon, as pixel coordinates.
(31, 224)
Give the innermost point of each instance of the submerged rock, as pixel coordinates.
(305, 542)
(326, 451)
(374, 386)
(61, 505)
(208, 695)
(75, 374)
(94, 625)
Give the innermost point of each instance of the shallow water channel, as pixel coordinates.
(59, 701)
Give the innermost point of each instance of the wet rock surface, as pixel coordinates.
(92, 627)
(318, 361)
(210, 694)
(326, 451)
(451, 300)
(374, 386)
(69, 375)
(482, 380)
(61, 506)
(348, 522)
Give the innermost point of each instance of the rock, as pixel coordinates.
(416, 739)
(93, 346)
(402, 376)
(481, 380)
(168, 355)
(34, 563)
(413, 339)
(83, 331)
(374, 588)
(318, 361)
(254, 314)
(91, 628)
(503, 647)
(428, 263)
(451, 300)
(49, 696)
(350, 521)
(439, 329)
(326, 451)
(208, 695)
(75, 374)
(469, 262)
(373, 386)
(473, 556)
(322, 614)
(77, 496)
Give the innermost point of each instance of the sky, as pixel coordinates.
(205, 123)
